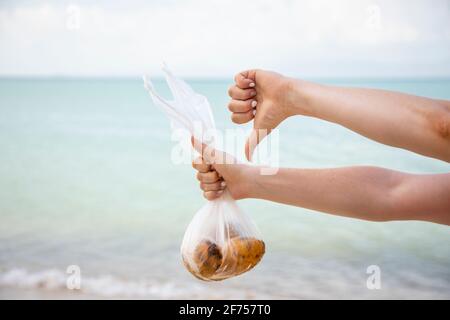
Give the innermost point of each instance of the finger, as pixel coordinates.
(242, 117)
(249, 74)
(208, 177)
(243, 82)
(198, 145)
(242, 106)
(208, 153)
(256, 136)
(241, 94)
(212, 195)
(216, 186)
(199, 165)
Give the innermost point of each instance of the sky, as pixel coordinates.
(211, 38)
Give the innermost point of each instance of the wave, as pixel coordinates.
(106, 285)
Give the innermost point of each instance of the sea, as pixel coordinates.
(88, 188)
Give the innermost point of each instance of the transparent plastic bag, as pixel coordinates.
(221, 241)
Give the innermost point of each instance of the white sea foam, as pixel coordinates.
(102, 286)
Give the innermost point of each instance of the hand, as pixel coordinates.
(264, 96)
(215, 175)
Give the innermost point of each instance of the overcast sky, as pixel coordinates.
(310, 38)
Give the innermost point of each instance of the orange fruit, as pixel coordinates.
(240, 254)
(207, 257)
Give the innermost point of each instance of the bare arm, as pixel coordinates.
(415, 123)
(367, 193)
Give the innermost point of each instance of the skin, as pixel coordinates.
(417, 124)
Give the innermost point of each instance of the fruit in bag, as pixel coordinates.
(237, 256)
(221, 241)
(243, 253)
(207, 258)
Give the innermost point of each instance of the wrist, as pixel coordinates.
(246, 186)
(298, 97)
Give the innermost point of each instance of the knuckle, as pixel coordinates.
(238, 120)
(246, 106)
(230, 90)
(239, 94)
(243, 118)
(230, 106)
(212, 176)
(207, 195)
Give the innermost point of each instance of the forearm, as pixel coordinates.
(367, 193)
(419, 124)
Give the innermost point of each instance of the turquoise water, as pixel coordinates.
(86, 179)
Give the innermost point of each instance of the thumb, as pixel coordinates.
(208, 153)
(256, 136)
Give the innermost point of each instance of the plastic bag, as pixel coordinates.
(221, 241)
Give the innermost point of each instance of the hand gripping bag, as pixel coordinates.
(221, 241)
